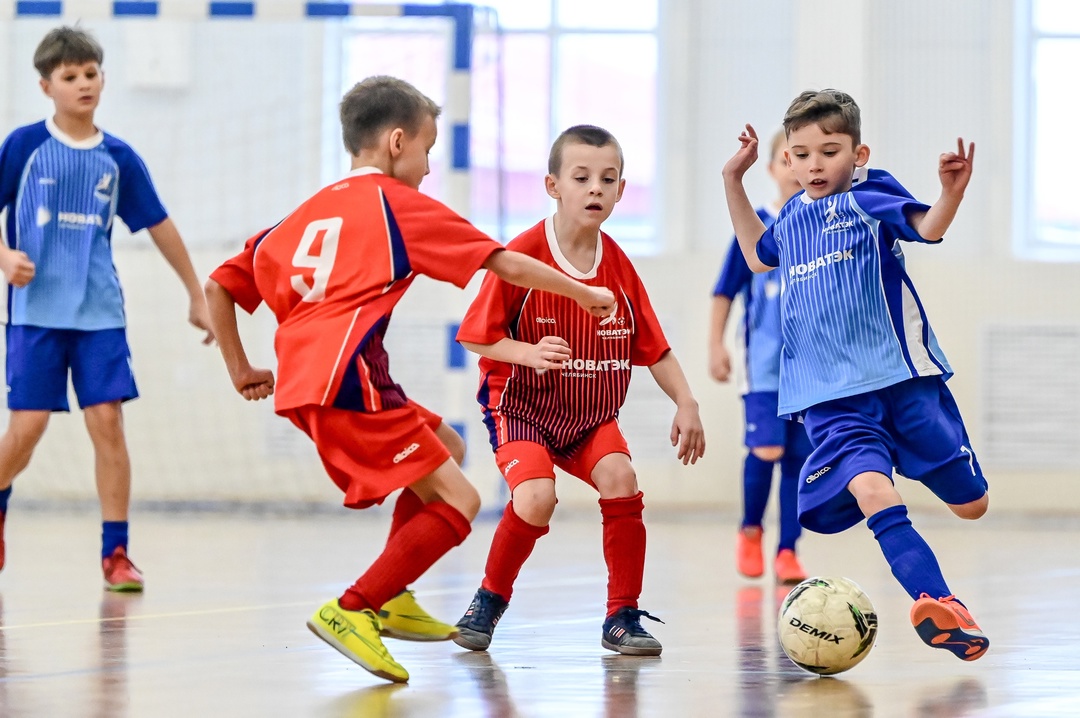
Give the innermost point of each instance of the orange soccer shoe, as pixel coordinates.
(120, 572)
(787, 567)
(946, 623)
(748, 557)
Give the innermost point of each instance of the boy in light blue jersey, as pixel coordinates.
(770, 439)
(62, 183)
(860, 364)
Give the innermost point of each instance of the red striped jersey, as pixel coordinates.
(332, 272)
(558, 408)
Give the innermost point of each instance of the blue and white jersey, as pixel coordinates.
(851, 319)
(61, 197)
(761, 320)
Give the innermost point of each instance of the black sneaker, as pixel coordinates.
(478, 623)
(623, 633)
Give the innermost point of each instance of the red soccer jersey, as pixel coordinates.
(332, 272)
(558, 408)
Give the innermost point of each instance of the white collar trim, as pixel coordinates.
(88, 144)
(365, 170)
(561, 260)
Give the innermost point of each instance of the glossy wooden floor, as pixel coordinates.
(220, 630)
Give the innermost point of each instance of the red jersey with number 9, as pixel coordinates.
(332, 272)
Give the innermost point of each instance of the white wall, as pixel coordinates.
(923, 72)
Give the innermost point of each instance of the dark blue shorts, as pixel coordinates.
(765, 428)
(913, 427)
(38, 361)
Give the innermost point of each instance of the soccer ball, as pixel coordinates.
(827, 625)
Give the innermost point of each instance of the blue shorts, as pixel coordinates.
(38, 361)
(913, 426)
(765, 428)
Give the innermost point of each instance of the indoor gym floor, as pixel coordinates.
(220, 630)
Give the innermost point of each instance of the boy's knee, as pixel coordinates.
(27, 428)
(771, 454)
(534, 501)
(972, 509)
(615, 477)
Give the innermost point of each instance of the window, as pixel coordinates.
(538, 67)
(1047, 215)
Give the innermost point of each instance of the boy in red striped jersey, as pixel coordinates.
(552, 381)
(332, 272)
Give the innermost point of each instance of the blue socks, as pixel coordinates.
(113, 534)
(4, 496)
(790, 530)
(910, 558)
(757, 482)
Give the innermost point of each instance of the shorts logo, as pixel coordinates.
(818, 474)
(512, 464)
(545, 320)
(406, 452)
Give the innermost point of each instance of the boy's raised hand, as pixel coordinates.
(688, 433)
(17, 267)
(746, 156)
(548, 353)
(954, 168)
(599, 301)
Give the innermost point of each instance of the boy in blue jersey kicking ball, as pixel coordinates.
(769, 439)
(63, 182)
(860, 364)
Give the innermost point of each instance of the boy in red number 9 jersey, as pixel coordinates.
(552, 381)
(332, 272)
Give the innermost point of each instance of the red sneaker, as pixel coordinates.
(946, 623)
(787, 567)
(748, 557)
(120, 573)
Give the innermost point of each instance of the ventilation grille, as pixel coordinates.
(1031, 397)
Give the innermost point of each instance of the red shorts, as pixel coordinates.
(369, 456)
(523, 460)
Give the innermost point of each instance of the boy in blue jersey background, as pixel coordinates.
(770, 439)
(860, 364)
(62, 183)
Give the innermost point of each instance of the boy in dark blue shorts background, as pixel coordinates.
(860, 363)
(63, 182)
(770, 440)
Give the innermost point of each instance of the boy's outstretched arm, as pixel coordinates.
(748, 226)
(167, 238)
(523, 271)
(719, 358)
(686, 429)
(954, 171)
(548, 353)
(252, 383)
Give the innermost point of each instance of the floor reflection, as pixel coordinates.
(112, 689)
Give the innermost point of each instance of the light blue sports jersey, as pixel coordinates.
(761, 320)
(851, 319)
(61, 197)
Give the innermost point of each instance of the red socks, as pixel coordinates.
(407, 506)
(624, 550)
(510, 547)
(411, 550)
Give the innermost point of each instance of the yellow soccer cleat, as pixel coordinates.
(356, 635)
(403, 618)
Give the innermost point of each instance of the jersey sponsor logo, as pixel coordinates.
(614, 317)
(830, 211)
(404, 454)
(613, 333)
(818, 474)
(79, 219)
(835, 220)
(512, 464)
(103, 190)
(801, 272)
(44, 216)
(594, 365)
(545, 320)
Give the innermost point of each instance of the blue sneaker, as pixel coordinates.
(623, 633)
(478, 623)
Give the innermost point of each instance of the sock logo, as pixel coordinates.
(818, 474)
